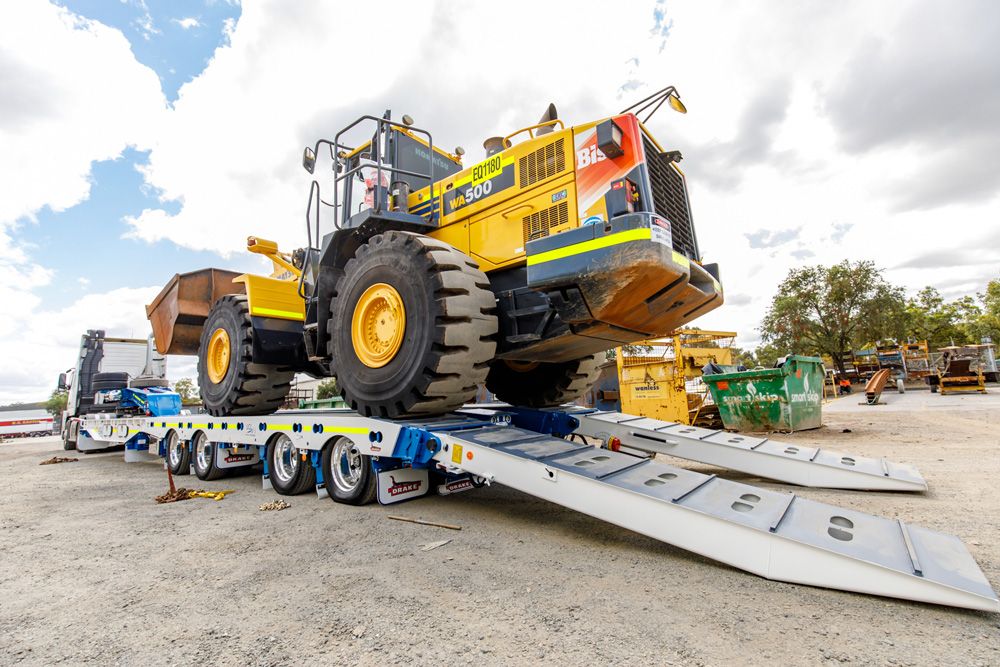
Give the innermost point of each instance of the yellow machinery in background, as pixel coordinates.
(657, 377)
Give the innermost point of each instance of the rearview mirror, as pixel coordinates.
(62, 382)
(308, 159)
(676, 104)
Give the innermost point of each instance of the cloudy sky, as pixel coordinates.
(142, 138)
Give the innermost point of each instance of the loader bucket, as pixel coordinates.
(179, 311)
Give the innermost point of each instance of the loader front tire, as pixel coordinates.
(540, 384)
(229, 380)
(412, 327)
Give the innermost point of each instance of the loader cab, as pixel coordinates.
(376, 176)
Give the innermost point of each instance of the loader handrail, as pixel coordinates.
(381, 125)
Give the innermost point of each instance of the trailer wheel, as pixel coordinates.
(348, 474)
(412, 326)
(230, 382)
(204, 458)
(178, 455)
(540, 384)
(288, 473)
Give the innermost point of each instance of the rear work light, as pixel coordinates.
(609, 138)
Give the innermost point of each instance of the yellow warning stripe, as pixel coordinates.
(681, 259)
(346, 429)
(277, 427)
(274, 312)
(587, 246)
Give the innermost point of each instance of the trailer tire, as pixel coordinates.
(143, 383)
(178, 455)
(348, 474)
(110, 380)
(412, 327)
(241, 387)
(118, 377)
(204, 458)
(541, 384)
(288, 473)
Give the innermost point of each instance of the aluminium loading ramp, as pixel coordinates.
(762, 457)
(775, 535)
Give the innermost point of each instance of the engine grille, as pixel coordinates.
(537, 225)
(538, 165)
(670, 200)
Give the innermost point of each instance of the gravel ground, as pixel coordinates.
(94, 572)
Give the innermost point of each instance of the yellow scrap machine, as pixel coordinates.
(656, 378)
(517, 272)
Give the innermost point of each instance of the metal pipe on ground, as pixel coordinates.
(875, 385)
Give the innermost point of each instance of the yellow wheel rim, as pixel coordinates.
(217, 357)
(378, 325)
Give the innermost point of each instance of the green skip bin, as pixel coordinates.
(789, 398)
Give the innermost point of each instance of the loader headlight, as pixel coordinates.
(609, 138)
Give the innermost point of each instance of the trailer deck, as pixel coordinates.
(775, 535)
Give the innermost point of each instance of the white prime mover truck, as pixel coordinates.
(104, 363)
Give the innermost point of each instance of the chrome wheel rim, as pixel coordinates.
(285, 461)
(174, 450)
(204, 451)
(347, 465)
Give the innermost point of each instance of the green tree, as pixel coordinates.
(987, 322)
(929, 317)
(188, 390)
(57, 402)
(327, 389)
(830, 310)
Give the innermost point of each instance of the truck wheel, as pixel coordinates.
(540, 384)
(204, 459)
(178, 455)
(412, 327)
(67, 443)
(348, 474)
(230, 382)
(288, 473)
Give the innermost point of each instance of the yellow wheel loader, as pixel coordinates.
(517, 272)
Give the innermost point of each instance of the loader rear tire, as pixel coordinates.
(240, 386)
(412, 327)
(540, 384)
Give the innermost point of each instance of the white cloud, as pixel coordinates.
(38, 344)
(188, 22)
(73, 93)
(231, 147)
